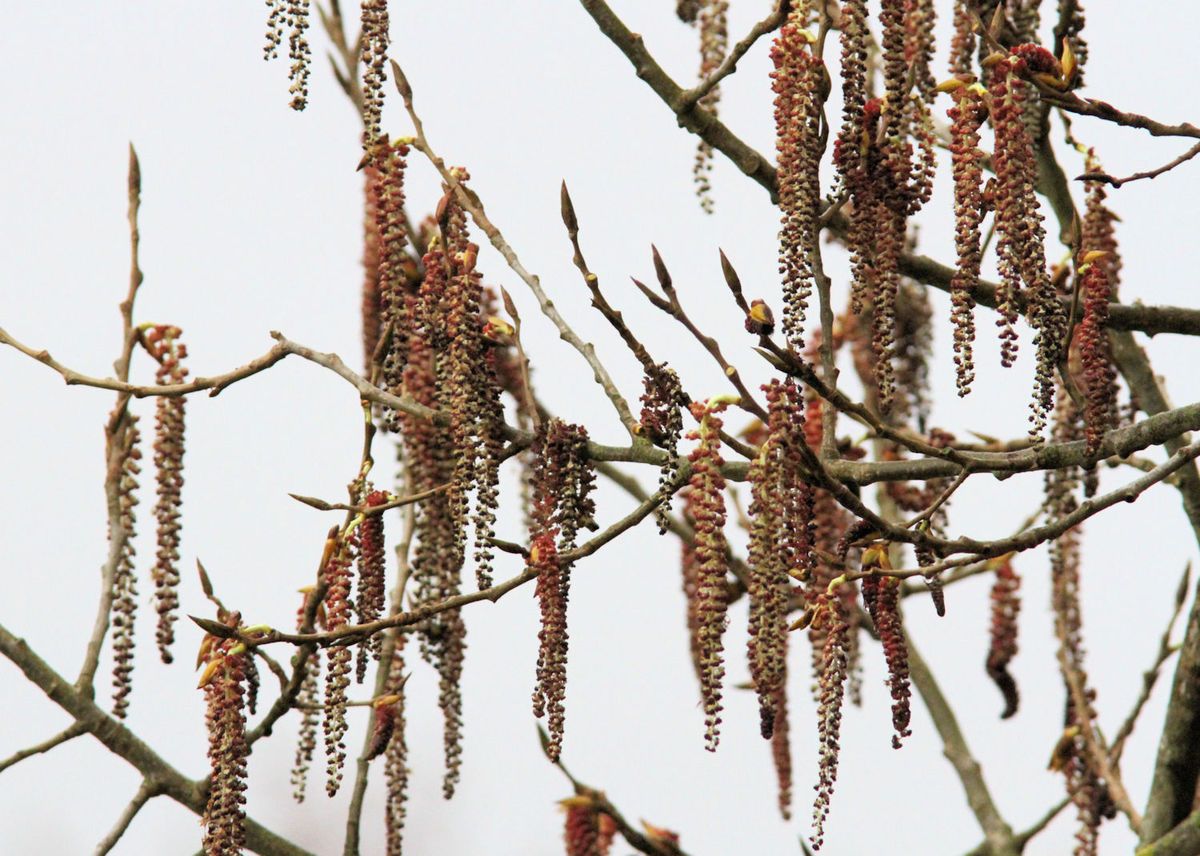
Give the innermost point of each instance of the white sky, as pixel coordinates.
(251, 221)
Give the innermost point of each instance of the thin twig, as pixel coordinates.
(1138, 176)
(117, 437)
(145, 792)
(474, 206)
(728, 66)
(1151, 675)
(69, 733)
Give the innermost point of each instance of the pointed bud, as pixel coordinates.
(660, 269)
(568, 211)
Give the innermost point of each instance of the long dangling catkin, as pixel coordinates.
(714, 44)
(124, 587)
(375, 41)
(562, 486)
(832, 615)
(337, 676)
(1021, 239)
(712, 560)
(371, 582)
(1006, 605)
(781, 535)
(797, 80)
(396, 757)
(661, 421)
(224, 694)
(966, 118)
(163, 343)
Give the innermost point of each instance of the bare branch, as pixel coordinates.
(69, 733)
(145, 792)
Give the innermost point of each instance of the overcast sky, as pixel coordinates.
(252, 222)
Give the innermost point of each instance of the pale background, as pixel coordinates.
(252, 221)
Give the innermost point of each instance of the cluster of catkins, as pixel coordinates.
(799, 82)
(781, 549)
(163, 344)
(425, 339)
(884, 157)
(561, 483)
(1085, 786)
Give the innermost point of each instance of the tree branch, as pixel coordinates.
(124, 743)
(145, 792)
(69, 733)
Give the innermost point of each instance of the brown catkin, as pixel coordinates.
(371, 582)
(224, 694)
(711, 21)
(1006, 605)
(966, 117)
(562, 483)
(337, 676)
(124, 585)
(375, 40)
(163, 343)
(797, 81)
(712, 561)
(396, 756)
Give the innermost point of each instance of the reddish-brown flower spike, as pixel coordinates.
(562, 483)
(552, 597)
(308, 701)
(163, 343)
(691, 581)
(712, 560)
(581, 832)
(662, 422)
(470, 391)
(798, 81)
(224, 694)
(714, 44)
(371, 583)
(781, 535)
(337, 610)
(1006, 605)
(1099, 378)
(438, 553)
(781, 753)
(1020, 245)
(832, 615)
(391, 286)
(966, 117)
(881, 595)
(962, 45)
(396, 758)
(124, 584)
